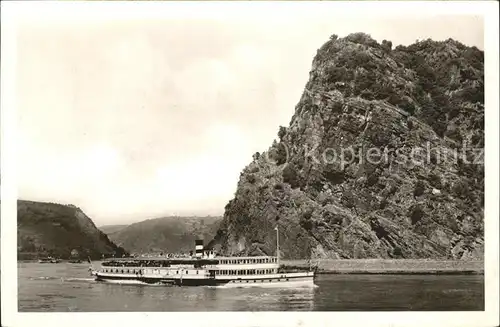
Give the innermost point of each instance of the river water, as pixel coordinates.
(68, 287)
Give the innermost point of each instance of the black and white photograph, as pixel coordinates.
(173, 159)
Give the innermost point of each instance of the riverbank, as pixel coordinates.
(390, 266)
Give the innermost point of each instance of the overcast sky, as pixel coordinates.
(132, 120)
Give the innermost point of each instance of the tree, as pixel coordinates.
(282, 132)
(290, 175)
(416, 214)
(419, 188)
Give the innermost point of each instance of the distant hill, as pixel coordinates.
(54, 229)
(168, 234)
(109, 229)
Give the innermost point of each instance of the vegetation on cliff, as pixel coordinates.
(382, 159)
(50, 229)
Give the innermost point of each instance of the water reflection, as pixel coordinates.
(56, 288)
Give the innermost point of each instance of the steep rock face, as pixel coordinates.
(167, 235)
(56, 230)
(373, 163)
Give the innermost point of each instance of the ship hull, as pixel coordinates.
(282, 280)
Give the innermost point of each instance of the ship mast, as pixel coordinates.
(277, 245)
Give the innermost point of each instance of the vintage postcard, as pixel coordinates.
(249, 163)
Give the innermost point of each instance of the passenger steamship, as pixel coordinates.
(204, 269)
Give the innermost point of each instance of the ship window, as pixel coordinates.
(197, 272)
(187, 272)
(177, 272)
(287, 279)
(254, 281)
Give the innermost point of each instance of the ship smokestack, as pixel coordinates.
(198, 248)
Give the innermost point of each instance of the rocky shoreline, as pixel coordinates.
(398, 266)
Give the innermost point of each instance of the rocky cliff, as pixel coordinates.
(382, 159)
(167, 235)
(56, 230)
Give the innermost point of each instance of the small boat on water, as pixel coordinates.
(49, 260)
(204, 269)
(75, 261)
